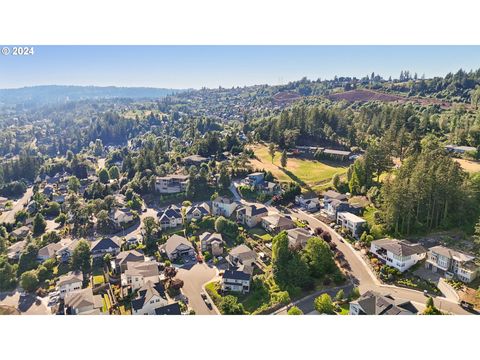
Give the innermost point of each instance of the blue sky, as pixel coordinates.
(213, 66)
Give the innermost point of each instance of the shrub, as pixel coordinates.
(294, 311)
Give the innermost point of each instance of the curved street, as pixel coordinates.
(363, 277)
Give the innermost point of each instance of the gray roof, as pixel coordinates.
(81, 298)
(400, 247)
(335, 195)
(175, 241)
(373, 303)
(243, 252)
(129, 256)
(70, 278)
(452, 254)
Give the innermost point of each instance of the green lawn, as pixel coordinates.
(310, 174)
(98, 280)
(344, 309)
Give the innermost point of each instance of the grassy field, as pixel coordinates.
(310, 174)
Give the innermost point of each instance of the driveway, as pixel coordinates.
(194, 278)
(27, 305)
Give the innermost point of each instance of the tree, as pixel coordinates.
(319, 258)
(284, 159)
(323, 304)
(29, 281)
(73, 184)
(230, 306)
(355, 294)
(336, 181)
(271, 151)
(81, 259)
(475, 96)
(103, 176)
(220, 224)
(151, 233)
(288, 267)
(8, 278)
(224, 179)
(114, 173)
(61, 219)
(340, 295)
(430, 308)
(28, 259)
(294, 311)
(39, 224)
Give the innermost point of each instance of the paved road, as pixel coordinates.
(26, 305)
(364, 278)
(9, 216)
(194, 279)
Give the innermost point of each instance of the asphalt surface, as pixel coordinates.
(9, 216)
(194, 278)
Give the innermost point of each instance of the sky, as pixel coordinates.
(181, 67)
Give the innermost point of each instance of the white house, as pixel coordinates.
(254, 179)
(149, 297)
(69, 282)
(105, 246)
(122, 217)
(138, 273)
(351, 222)
(452, 263)
(400, 254)
(237, 279)
(309, 202)
(251, 215)
(177, 247)
(223, 206)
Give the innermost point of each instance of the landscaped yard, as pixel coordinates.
(309, 174)
(260, 233)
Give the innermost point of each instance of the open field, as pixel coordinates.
(469, 165)
(310, 174)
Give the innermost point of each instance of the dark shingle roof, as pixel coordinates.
(171, 309)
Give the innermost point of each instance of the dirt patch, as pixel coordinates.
(469, 165)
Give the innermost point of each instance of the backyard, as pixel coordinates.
(309, 174)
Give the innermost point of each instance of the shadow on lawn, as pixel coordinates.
(295, 178)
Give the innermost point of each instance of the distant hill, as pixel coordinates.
(50, 94)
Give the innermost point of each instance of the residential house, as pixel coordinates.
(309, 202)
(196, 160)
(460, 149)
(171, 184)
(268, 187)
(138, 273)
(276, 223)
(212, 243)
(251, 215)
(400, 254)
(237, 279)
(105, 246)
(223, 206)
(254, 179)
(68, 245)
(452, 263)
(372, 303)
(69, 282)
(242, 255)
(83, 302)
(197, 212)
(170, 309)
(20, 233)
(14, 250)
(149, 297)
(177, 247)
(171, 217)
(48, 251)
(332, 207)
(352, 223)
(331, 194)
(298, 237)
(122, 218)
(125, 257)
(3, 203)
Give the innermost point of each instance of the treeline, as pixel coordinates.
(430, 191)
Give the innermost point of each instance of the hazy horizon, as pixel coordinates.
(195, 67)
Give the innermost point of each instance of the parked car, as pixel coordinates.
(204, 296)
